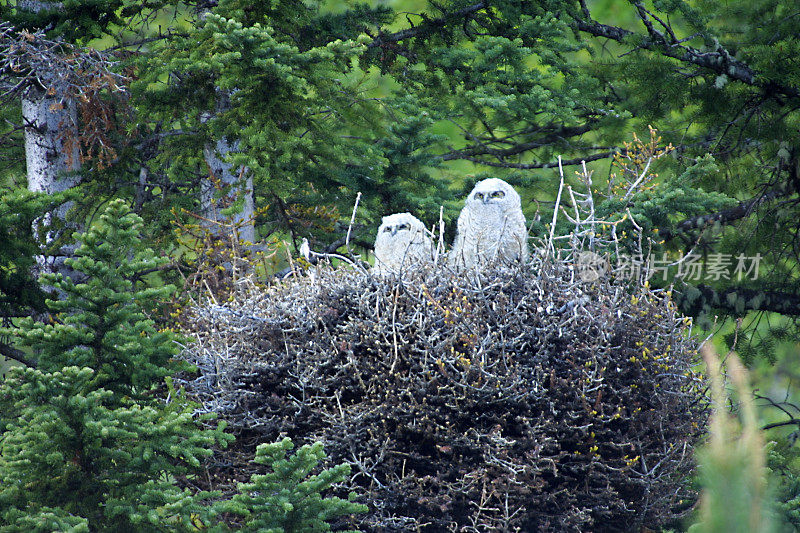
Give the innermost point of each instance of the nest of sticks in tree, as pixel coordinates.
(518, 399)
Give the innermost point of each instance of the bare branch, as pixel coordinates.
(719, 61)
(742, 210)
(792, 422)
(17, 355)
(428, 25)
(548, 164)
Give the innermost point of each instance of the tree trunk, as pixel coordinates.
(141, 189)
(228, 186)
(52, 150)
(37, 5)
(52, 157)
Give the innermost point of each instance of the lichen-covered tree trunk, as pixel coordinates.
(37, 5)
(228, 186)
(52, 156)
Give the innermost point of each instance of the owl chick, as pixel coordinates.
(491, 227)
(401, 244)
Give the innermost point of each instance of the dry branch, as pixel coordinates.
(521, 398)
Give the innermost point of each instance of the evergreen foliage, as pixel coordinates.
(22, 224)
(86, 438)
(782, 459)
(295, 110)
(19, 291)
(287, 498)
(77, 22)
(635, 197)
(101, 321)
(729, 71)
(504, 85)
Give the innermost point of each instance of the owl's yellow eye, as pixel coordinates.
(387, 229)
(498, 194)
(479, 196)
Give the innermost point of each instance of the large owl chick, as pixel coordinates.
(491, 227)
(402, 244)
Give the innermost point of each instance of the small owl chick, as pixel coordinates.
(491, 227)
(401, 244)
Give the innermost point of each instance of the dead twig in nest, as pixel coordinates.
(523, 400)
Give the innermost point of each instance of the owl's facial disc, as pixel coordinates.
(398, 227)
(487, 197)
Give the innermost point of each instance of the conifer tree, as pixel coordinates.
(57, 86)
(298, 114)
(19, 292)
(721, 79)
(287, 498)
(87, 440)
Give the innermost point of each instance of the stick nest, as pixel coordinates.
(518, 399)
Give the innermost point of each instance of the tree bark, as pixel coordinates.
(52, 149)
(52, 157)
(227, 184)
(226, 187)
(37, 5)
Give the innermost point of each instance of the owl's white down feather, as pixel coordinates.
(401, 244)
(491, 227)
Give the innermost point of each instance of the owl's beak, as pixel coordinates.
(486, 199)
(394, 231)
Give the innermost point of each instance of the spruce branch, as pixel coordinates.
(555, 136)
(785, 303)
(719, 61)
(727, 216)
(792, 422)
(428, 25)
(545, 164)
